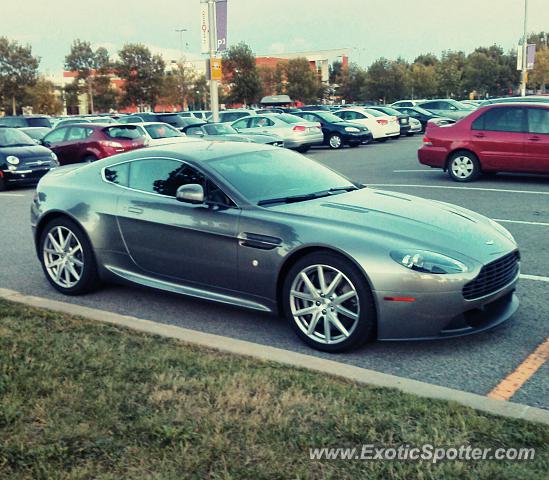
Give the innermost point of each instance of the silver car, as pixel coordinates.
(265, 228)
(298, 134)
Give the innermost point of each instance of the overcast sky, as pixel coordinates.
(372, 28)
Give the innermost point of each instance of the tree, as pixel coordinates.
(267, 75)
(449, 73)
(427, 59)
(241, 75)
(43, 99)
(105, 94)
(423, 80)
(18, 71)
(539, 76)
(178, 84)
(302, 82)
(143, 74)
(387, 80)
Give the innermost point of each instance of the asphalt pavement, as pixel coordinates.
(475, 363)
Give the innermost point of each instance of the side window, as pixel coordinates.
(538, 120)
(310, 117)
(261, 122)
(242, 123)
(430, 105)
(194, 131)
(358, 115)
(502, 120)
(78, 133)
(56, 136)
(118, 174)
(154, 176)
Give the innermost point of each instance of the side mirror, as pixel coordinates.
(190, 193)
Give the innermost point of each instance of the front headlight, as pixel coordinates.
(428, 262)
(12, 160)
(352, 129)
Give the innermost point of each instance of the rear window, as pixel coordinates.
(13, 122)
(162, 131)
(174, 120)
(38, 122)
(126, 132)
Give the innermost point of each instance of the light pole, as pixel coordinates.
(214, 100)
(524, 72)
(181, 31)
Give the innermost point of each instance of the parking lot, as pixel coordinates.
(476, 364)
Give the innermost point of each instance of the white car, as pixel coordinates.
(381, 125)
(407, 103)
(154, 133)
(415, 126)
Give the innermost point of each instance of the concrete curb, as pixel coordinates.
(264, 352)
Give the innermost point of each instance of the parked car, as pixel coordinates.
(527, 99)
(315, 108)
(173, 119)
(18, 121)
(447, 107)
(297, 134)
(229, 116)
(407, 103)
(36, 133)
(22, 161)
(381, 126)
(337, 132)
(497, 138)
(84, 119)
(268, 229)
(471, 103)
(415, 127)
(87, 142)
(152, 133)
(403, 118)
(424, 116)
(224, 131)
(201, 114)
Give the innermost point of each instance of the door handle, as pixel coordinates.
(479, 135)
(534, 139)
(137, 210)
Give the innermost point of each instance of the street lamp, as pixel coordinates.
(181, 31)
(524, 52)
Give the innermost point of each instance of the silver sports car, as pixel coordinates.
(269, 229)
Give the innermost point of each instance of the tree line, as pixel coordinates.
(146, 80)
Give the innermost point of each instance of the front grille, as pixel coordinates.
(493, 276)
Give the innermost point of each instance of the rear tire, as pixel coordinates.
(2, 184)
(382, 140)
(342, 307)
(303, 149)
(67, 257)
(463, 166)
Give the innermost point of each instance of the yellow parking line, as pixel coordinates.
(514, 381)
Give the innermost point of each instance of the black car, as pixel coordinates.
(403, 118)
(422, 115)
(18, 121)
(337, 132)
(315, 108)
(22, 161)
(173, 119)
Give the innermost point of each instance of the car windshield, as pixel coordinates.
(37, 133)
(271, 174)
(173, 119)
(328, 117)
(219, 129)
(160, 130)
(38, 122)
(427, 113)
(11, 137)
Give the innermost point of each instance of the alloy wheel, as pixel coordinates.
(335, 141)
(63, 257)
(462, 167)
(324, 304)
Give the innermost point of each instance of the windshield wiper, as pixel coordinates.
(307, 196)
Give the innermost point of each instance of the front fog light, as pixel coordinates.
(428, 262)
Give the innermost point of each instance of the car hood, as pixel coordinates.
(27, 152)
(402, 221)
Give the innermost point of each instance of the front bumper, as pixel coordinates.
(24, 176)
(359, 137)
(443, 315)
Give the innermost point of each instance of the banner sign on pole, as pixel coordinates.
(215, 69)
(530, 56)
(204, 30)
(221, 22)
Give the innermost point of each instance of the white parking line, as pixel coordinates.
(11, 195)
(423, 170)
(536, 278)
(523, 222)
(456, 188)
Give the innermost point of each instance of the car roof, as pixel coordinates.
(515, 104)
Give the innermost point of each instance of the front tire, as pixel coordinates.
(2, 184)
(67, 257)
(303, 148)
(328, 303)
(335, 142)
(463, 166)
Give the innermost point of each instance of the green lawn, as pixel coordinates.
(80, 399)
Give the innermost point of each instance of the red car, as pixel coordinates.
(88, 142)
(496, 138)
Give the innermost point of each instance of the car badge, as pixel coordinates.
(489, 242)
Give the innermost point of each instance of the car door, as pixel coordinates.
(536, 145)
(55, 141)
(76, 143)
(498, 137)
(168, 238)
